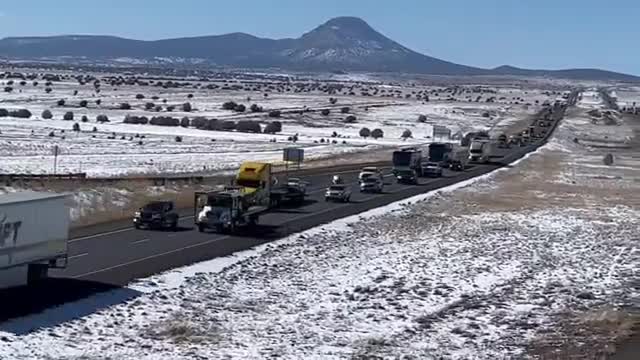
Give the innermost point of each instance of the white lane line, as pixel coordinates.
(140, 241)
(116, 231)
(99, 235)
(150, 257)
(77, 256)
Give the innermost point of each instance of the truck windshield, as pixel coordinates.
(220, 201)
(156, 206)
(248, 183)
(402, 158)
(336, 188)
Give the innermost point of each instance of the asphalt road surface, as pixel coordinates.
(111, 255)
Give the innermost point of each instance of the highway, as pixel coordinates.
(111, 255)
(120, 255)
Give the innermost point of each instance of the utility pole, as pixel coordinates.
(55, 159)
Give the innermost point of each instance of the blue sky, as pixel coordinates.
(542, 34)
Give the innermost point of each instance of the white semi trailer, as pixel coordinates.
(34, 233)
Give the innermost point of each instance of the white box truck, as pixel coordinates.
(34, 233)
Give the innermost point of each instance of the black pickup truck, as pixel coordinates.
(156, 214)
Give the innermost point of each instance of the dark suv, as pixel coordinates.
(156, 214)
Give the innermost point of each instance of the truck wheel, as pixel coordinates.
(200, 228)
(137, 226)
(37, 273)
(174, 226)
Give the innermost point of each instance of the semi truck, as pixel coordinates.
(34, 235)
(252, 193)
(439, 153)
(406, 165)
(480, 151)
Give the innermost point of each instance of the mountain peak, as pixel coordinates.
(348, 21)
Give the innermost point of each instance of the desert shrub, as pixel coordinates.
(4, 113)
(345, 110)
(377, 133)
(406, 134)
(84, 103)
(8, 89)
(227, 125)
(240, 108)
(608, 160)
(186, 107)
(95, 129)
(139, 120)
(190, 96)
(155, 97)
(255, 108)
(84, 118)
(21, 113)
(350, 119)
(48, 90)
(149, 105)
(199, 122)
(68, 116)
(98, 102)
(248, 126)
(273, 127)
(164, 121)
(47, 114)
(61, 102)
(158, 108)
(102, 119)
(333, 100)
(178, 138)
(365, 132)
(139, 96)
(125, 106)
(229, 105)
(76, 127)
(185, 122)
(275, 113)
(422, 118)
(170, 108)
(325, 112)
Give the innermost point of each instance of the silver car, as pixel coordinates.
(371, 184)
(338, 193)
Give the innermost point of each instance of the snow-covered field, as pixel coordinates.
(118, 149)
(627, 96)
(482, 270)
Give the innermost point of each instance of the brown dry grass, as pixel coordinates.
(590, 335)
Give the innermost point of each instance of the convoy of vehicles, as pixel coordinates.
(156, 214)
(34, 233)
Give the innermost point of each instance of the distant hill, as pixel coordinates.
(340, 44)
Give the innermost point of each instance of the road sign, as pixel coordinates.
(293, 155)
(440, 131)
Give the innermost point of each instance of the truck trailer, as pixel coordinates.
(34, 235)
